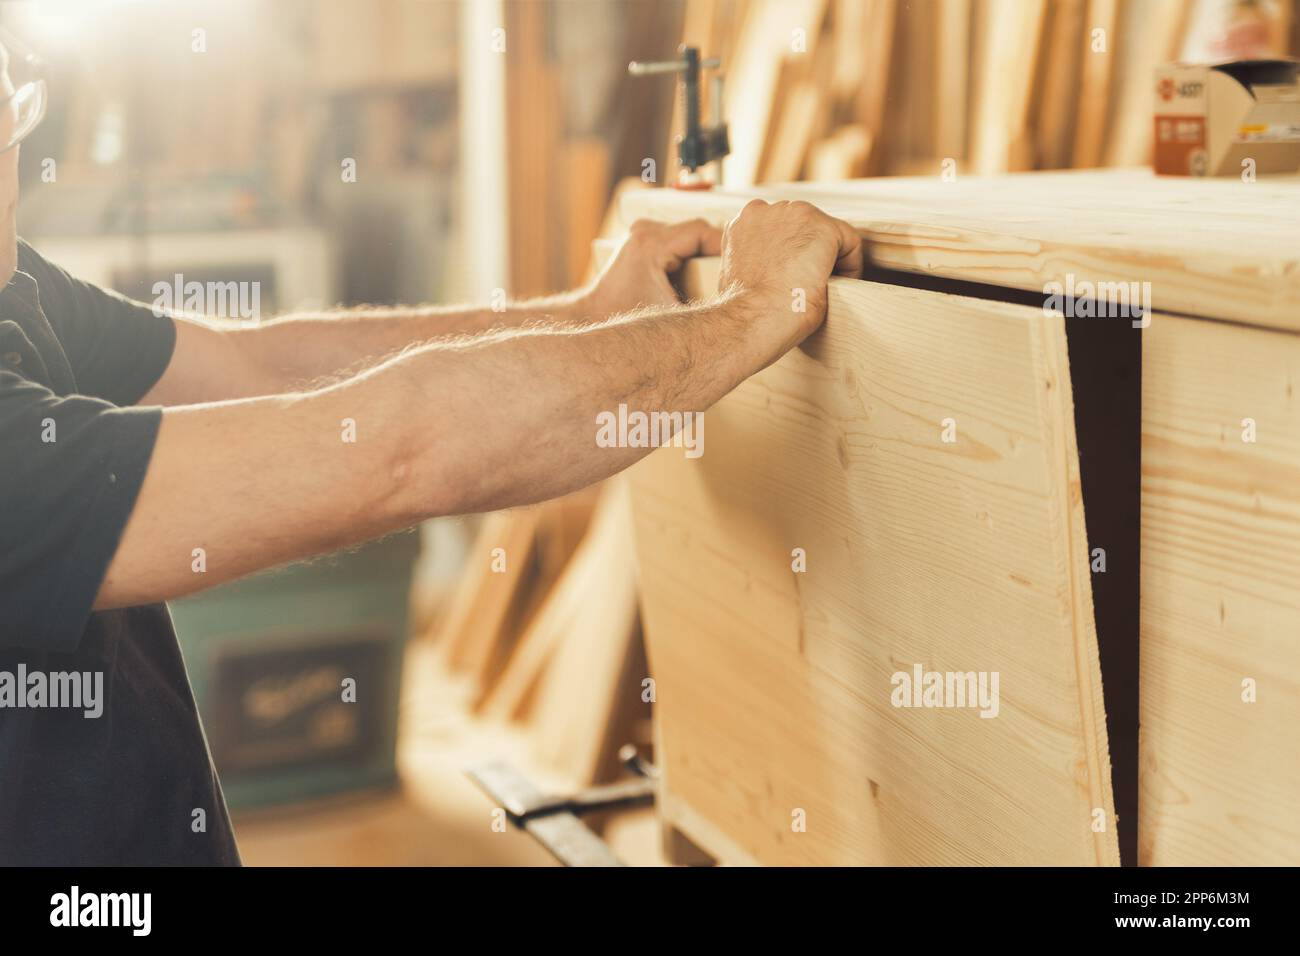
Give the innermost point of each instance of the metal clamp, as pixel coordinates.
(698, 145)
(554, 821)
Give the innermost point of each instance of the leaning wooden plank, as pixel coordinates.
(873, 96)
(840, 155)
(1150, 33)
(559, 527)
(953, 19)
(1220, 684)
(850, 23)
(512, 695)
(587, 161)
(495, 573)
(562, 609)
(767, 37)
(800, 115)
(1059, 72)
(534, 130)
(828, 543)
(1006, 54)
(579, 691)
(1097, 44)
(1217, 248)
(913, 118)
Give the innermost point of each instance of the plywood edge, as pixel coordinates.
(1092, 708)
(1230, 285)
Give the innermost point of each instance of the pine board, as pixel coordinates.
(751, 78)
(1007, 42)
(1216, 248)
(1220, 596)
(1095, 82)
(773, 687)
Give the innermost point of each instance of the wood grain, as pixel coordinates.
(1220, 601)
(873, 97)
(1218, 248)
(774, 687)
(1059, 84)
(1007, 36)
(952, 79)
(751, 89)
(1095, 83)
(481, 603)
(584, 684)
(1149, 33)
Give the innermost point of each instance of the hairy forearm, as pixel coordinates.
(310, 349)
(449, 428)
(512, 419)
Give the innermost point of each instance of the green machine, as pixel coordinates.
(297, 672)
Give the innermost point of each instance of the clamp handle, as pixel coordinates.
(697, 145)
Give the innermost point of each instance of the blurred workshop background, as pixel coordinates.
(389, 151)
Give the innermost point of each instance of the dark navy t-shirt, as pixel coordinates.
(135, 784)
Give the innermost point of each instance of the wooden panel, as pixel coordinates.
(1006, 55)
(480, 605)
(1059, 76)
(751, 86)
(1218, 248)
(584, 684)
(1095, 82)
(1220, 596)
(1148, 34)
(873, 96)
(774, 686)
(952, 23)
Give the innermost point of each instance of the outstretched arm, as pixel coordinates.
(455, 427)
(215, 361)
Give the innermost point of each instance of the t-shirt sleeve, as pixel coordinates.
(69, 477)
(118, 348)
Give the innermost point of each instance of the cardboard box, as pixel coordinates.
(1211, 118)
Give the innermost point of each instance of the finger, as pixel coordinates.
(686, 239)
(849, 258)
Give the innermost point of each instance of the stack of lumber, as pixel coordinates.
(835, 89)
(775, 683)
(543, 630)
(575, 124)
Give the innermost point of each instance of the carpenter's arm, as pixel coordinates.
(216, 361)
(505, 419)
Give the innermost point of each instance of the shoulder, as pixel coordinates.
(50, 279)
(31, 261)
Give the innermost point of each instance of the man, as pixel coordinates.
(131, 439)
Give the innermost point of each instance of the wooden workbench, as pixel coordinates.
(774, 683)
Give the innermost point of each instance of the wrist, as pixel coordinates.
(761, 324)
